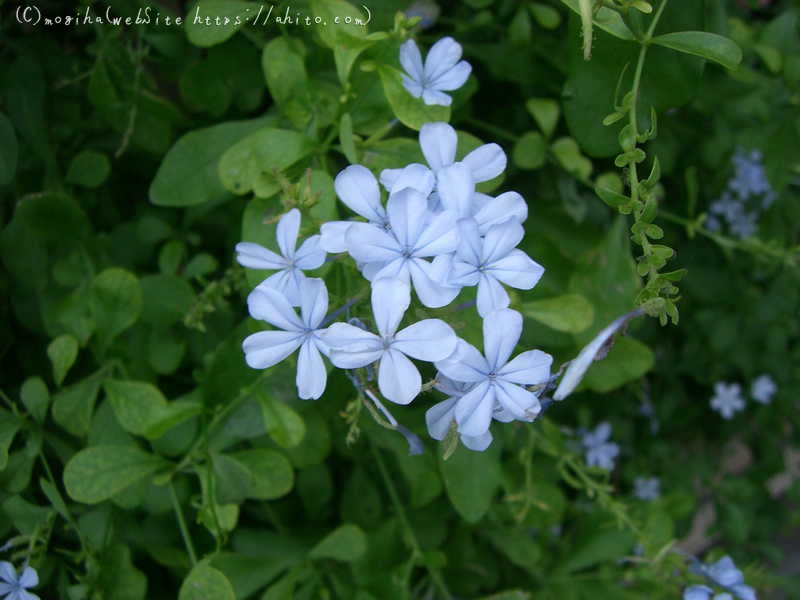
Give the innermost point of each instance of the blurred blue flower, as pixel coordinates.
(599, 451)
(14, 587)
(727, 399)
(647, 488)
(763, 388)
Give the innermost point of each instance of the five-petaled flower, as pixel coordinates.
(763, 388)
(267, 348)
(443, 71)
(647, 488)
(499, 384)
(727, 399)
(427, 340)
(599, 451)
(13, 586)
(290, 263)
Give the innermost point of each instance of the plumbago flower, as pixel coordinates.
(498, 385)
(727, 399)
(599, 451)
(763, 388)
(443, 71)
(290, 263)
(267, 348)
(13, 586)
(440, 417)
(722, 574)
(647, 488)
(398, 379)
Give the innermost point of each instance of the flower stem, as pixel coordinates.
(187, 540)
(435, 576)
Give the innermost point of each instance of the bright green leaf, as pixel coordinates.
(471, 479)
(346, 544)
(206, 583)
(571, 312)
(530, 151)
(545, 112)
(62, 353)
(141, 409)
(271, 474)
(36, 397)
(116, 302)
(282, 423)
(703, 44)
(412, 112)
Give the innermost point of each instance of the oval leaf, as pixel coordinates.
(703, 44)
(206, 583)
(571, 312)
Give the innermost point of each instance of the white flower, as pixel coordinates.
(398, 251)
(267, 348)
(492, 261)
(290, 263)
(727, 399)
(398, 378)
(439, 417)
(647, 488)
(14, 587)
(763, 389)
(439, 141)
(498, 384)
(599, 451)
(443, 70)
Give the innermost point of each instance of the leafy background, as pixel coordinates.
(140, 457)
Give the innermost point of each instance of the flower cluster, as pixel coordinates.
(747, 195)
(728, 399)
(14, 586)
(722, 574)
(433, 235)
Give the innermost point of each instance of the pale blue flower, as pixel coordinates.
(290, 263)
(398, 379)
(13, 587)
(725, 574)
(399, 250)
(443, 71)
(428, 12)
(727, 399)
(697, 592)
(647, 488)
(763, 388)
(267, 348)
(492, 261)
(440, 416)
(599, 451)
(498, 383)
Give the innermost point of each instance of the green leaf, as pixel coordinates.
(231, 15)
(282, 423)
(571, 312)
(471, 480)
(530, 151)
(188, 175)
(596, 547)
(97, 473)
(89, 169)
(36, 398)
(568, 153)
(206, 583)
(115, 300)
(346, 138)
(346, 544)
(703, 44)
(253, 164)
(628, 360)
(119, 579)
(27, 518)
(287, 80)
(546, 112)
(8, 158)
(9, 425)
(606, 19)
(345, 39)
(166, 299)
(73, 406)
(547, 16)
(62, 353)
(141, 409)
(271, 474)
(412, 112)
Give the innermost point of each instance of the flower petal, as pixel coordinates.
(466, 364)
(521, 403)
(390, 300)
(29, 578)
(528, 368)
(398, 378)
(486, 162)
(435, 98)
(455, 187)
(407, 209)
(453, 78)
(517, 270)
(286, 232)
(414, 175)
(509, 205)
(368, 243)
(413, 86)
(429, 339)
(267, 304)
(7, 572)
(332, 236)
(357, 187)
(429, 291)
(350, 346)
(310, 255)
(255, 256)
(313, 302)
(474, 410)
(477, 443)
(438, 142)
(501, 331)
(439, 236)
(442, 56)
(311, 373)
(267, 348)
(470, 247)
(491, 295)
(439, 417)
(411, 59)
(501, 239)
